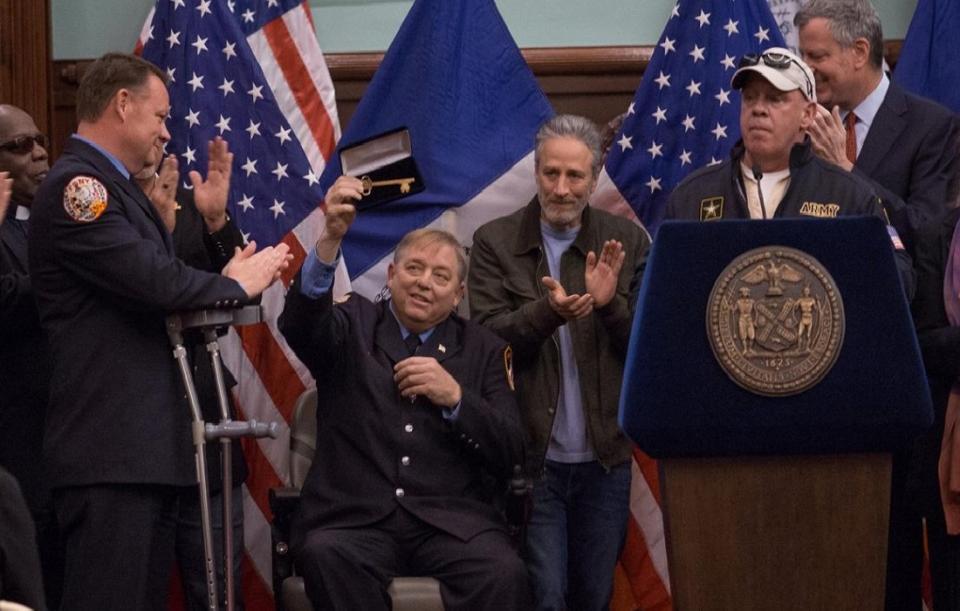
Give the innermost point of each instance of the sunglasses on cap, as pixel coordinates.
(778, 61)
(24, 144)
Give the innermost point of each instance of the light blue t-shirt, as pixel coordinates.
(568, 440)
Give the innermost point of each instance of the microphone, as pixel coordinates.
(757, 175)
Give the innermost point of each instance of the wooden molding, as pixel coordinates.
(542, 61)
(597, 82)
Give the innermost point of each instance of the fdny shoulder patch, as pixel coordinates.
(508, 365)
(711, 209)
(85, 199)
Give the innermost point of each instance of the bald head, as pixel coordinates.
(22, 153)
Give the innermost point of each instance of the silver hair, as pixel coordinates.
(572, 126)
(426, 236)
(848, 21)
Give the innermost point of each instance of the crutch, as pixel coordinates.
(209, 322)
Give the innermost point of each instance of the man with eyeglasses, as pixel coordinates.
(773, 171)
(903, 145)
(24, 358)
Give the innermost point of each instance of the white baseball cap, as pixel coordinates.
(781, 68)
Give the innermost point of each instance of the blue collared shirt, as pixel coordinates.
(316, 279)
(867, 110)
(116, 162)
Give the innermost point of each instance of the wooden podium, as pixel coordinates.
(774, 503)
(812, 536)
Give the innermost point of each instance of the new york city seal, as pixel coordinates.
(775, 321)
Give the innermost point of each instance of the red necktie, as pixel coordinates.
(849, 123)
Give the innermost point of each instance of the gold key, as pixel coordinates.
(368, 185)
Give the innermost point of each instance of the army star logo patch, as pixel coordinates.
(711, 209)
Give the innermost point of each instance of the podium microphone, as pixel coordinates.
(757, 175)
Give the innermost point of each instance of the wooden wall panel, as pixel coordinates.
(25, 57)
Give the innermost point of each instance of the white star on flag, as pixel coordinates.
(200, 44)
(246, 202)
(250, 167)
(196, 82)
(223, 124)
(283, 135)
(663, 80)
(625, 142)
(280, 171)
(204, 8)
(226, 87)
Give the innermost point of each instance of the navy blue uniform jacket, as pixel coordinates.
(117, 411)
(365, 428)
(24, 366)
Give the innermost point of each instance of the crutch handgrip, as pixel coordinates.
(236, 429)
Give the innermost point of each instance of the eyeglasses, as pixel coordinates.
(780, 61)
(24, 144)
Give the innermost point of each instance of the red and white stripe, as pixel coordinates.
(644, 556)
(269, 376)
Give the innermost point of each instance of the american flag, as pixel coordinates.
(684, 114)
(252, 72)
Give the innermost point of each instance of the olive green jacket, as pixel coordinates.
(507, 262)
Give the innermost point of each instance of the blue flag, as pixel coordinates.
(685, 114)
(929, 64)
(455, 78)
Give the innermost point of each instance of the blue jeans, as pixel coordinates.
(575, 534)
